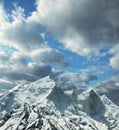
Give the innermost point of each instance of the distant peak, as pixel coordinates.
(91, 91)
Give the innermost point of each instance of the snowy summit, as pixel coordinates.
(43, 105)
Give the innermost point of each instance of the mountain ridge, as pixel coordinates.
(43, 105)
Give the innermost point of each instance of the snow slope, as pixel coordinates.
(42, 105)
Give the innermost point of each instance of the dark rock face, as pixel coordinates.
(95, 104)
(59, 98)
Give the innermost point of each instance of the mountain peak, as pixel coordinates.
(44, 103)
(90, 102)
(95, 104)
(59, 98)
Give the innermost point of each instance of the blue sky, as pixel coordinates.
(40, 38)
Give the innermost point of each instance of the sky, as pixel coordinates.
(73, 41)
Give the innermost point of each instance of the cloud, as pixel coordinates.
(112, 83)
(19, 67)
(67, 80)
(27, 36)
(95, 70)
(23, 36)
(69, 77)
(3, 56)
(87, 78)
(2, 11)
(72, 80)
(85, 29)
(39, 69)
(20, 33)
(110, 88)
(114, 60)
(50, 56)
(31, 57)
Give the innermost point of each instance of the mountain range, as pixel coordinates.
(44, 105)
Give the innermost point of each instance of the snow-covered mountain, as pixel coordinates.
(43, 105)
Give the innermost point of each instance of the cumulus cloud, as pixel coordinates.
(114, 60)
(50, 56)
(39, 69)
(72, 80)
(67, 80)
(87, 78)
(83, 26)
(20, 33)
(19, 67)
(27, 35)
(110, 88)
(112, 83)
(69, 77)
(23, 36)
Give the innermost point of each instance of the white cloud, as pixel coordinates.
(114, 60)
(3, 15)
(67, 80)
(87, 78)
(18, 14)
(69, 77)
(3, 56)
(72, 80)
(83, 29)
(22, 34)
(77, 43)
(26, 35)
(111, 83)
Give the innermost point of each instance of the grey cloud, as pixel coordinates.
(110, 88)
(40, 70)
(26, 73)
(72, 80)
(97, 20)
(50, 56)
(17, 67)
(24, 36)
(111, 83)
(3, 56)
(95, 23)
(27, 36)
(14, 76)
(65, 80)
(87, 78)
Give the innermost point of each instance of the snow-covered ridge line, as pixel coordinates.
(44, 105)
